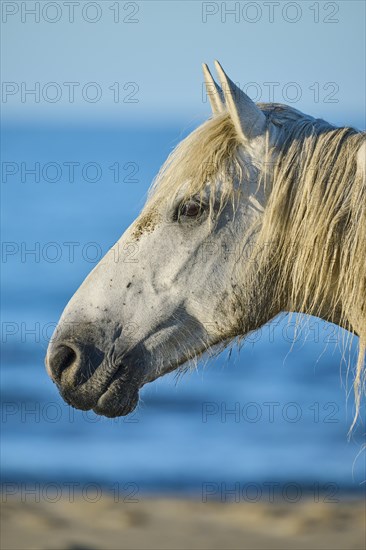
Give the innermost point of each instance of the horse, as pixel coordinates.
(260, 210)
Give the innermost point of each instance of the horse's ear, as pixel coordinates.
(214, 92)
(248, 119)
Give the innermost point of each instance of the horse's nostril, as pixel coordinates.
(61, 359)
(70, 362)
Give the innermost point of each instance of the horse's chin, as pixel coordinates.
(112, 405)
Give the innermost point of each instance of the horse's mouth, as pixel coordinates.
(109, 396)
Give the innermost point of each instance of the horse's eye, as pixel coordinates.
(190, 209)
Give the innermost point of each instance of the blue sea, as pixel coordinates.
(276, 411)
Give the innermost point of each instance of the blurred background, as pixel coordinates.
(94, 97)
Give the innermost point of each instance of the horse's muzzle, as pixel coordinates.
(88, 378)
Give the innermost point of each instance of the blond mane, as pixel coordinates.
(315, 222)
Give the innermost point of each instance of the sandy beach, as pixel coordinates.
(167, 523)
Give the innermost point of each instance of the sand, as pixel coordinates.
(167, 523)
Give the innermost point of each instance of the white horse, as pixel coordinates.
(261, 210)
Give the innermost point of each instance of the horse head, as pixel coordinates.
(187, 276)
